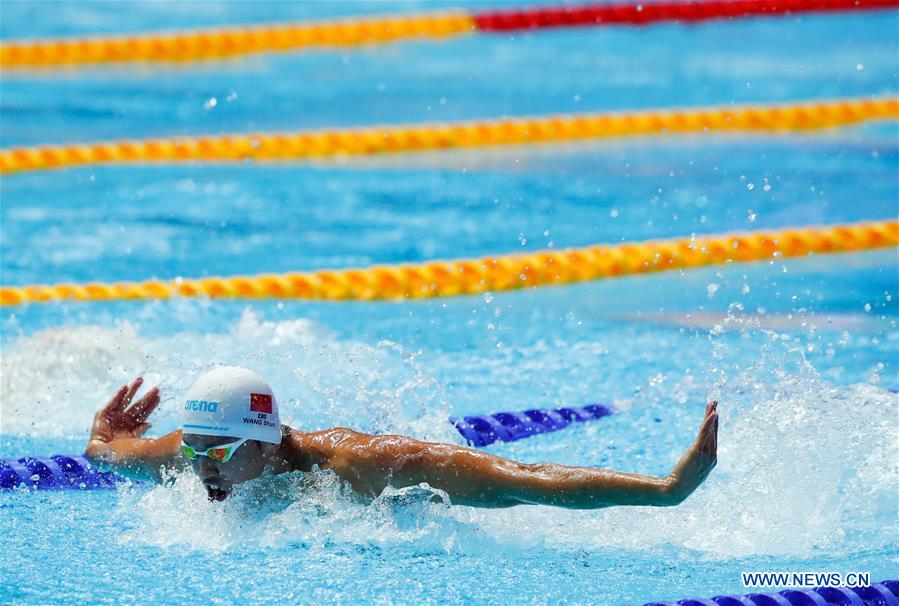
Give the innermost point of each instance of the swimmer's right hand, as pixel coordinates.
(116, 436)
(118, 420)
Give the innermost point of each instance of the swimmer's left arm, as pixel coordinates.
(473, 477)
(116, 434)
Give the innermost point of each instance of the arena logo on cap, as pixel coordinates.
(261, 402)
(201, 406)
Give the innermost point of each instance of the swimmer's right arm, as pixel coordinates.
(116, 435)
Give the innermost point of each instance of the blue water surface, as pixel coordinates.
(799, 353)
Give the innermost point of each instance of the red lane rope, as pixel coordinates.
(655, 12)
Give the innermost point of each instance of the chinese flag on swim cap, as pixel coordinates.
(261, 402)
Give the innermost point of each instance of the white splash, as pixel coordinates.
(55, 380)
(52, 382)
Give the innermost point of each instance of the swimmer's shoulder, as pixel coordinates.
(332, 439)
(353, 445)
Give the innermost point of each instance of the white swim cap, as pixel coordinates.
(232, 401)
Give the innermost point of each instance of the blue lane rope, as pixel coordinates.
(884, 593)
(55, 473)
(484, 430)
(76, 472)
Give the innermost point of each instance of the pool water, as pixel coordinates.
(799, 353)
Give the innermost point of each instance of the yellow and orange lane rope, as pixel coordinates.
(492, 273)
(813, 115)
(228, 42)
(231, 41)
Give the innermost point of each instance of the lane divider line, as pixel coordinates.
(361, 141)
(492, 273)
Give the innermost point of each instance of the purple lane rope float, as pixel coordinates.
(483, 430)
(58, 472)
(884, 593)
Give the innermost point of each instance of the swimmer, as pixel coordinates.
(231, 433)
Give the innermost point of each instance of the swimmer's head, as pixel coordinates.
(231, 428)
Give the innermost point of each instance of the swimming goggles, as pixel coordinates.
(219, 454)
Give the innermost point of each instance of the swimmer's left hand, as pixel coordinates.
(117, 420)
(696, 464)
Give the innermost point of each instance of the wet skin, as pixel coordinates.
(370, 463)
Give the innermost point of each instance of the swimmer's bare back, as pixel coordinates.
(369, 463)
